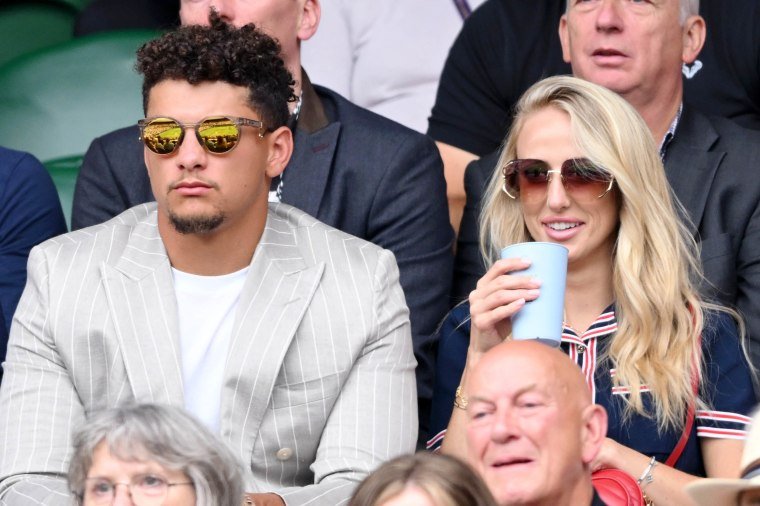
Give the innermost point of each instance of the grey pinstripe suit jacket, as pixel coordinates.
(320, 360)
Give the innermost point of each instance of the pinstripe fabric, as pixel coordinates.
(320, 360)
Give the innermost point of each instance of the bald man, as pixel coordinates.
(533, 433)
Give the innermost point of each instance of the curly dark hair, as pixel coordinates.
(242, 56)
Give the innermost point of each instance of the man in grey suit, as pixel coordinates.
(637, 50)
(351, 169)
(289, 338)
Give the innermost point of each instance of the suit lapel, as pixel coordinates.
(691, 166)
(315, 143)
(310, 165)
(140, 292)
(274, 299)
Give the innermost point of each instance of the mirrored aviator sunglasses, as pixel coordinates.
(217, 134)
(528, 179)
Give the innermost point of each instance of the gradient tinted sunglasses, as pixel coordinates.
(528, 179)
(217, 134)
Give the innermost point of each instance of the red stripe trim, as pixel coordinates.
(600, 331)
(433, 440)
(589, 366)
(721, 433)
(723, 415)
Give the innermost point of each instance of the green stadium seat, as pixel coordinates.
(64, 173)
(56, 101)
(78, 5)
(30, 26)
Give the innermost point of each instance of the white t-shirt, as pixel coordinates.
(206, 309)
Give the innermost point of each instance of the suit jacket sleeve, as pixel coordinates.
(410, 217)
(112, 179)
(30, 213)
(375, 416)
(468, 265)
(38, 403)
(748, 283)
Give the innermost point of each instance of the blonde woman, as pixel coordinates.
(580, 168)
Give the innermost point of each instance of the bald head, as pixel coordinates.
(532, 430)
(549, 364)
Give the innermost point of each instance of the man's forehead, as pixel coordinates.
(511, 388)
(179, 98)
(650, 7)
(523, 367)
(513, 378)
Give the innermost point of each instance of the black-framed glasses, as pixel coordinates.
(528, 179)
(217, 134)
(145, 490)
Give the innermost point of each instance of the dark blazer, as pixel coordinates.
(361, 173)
(712, 166)
(30, 213)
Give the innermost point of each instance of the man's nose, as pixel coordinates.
(609, 16)
(505, 426)
(190, 154)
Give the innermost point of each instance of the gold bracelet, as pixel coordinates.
(460, 401)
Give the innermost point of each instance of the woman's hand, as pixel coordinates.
(498, 296)
(608, 456)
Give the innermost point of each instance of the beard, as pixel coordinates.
(198, 224)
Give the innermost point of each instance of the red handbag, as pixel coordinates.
(618, 488)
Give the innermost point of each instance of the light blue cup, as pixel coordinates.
(541, 318)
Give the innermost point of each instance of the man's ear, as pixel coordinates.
(564, 38)
(693, 33)
(594, 431)
(280, 144)
(309, 19)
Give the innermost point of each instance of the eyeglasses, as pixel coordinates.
(217, 134)
(528, 179)
(145, 489)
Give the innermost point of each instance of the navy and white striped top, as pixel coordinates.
(726, 385)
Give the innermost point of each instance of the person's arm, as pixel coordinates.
(374, 418)
(748, 286)
(30, 213)
(112, 179)
(453, 339)
(408, 217)
(38, 401)
(455, 161)
(498, 296)
(721, 457)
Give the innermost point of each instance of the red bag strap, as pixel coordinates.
(678, 450)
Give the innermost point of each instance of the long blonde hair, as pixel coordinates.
(655, 265)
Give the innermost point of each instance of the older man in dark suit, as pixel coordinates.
(352, 169)
(638, 50)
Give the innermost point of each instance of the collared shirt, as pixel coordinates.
(670, 133)
(726, 386)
